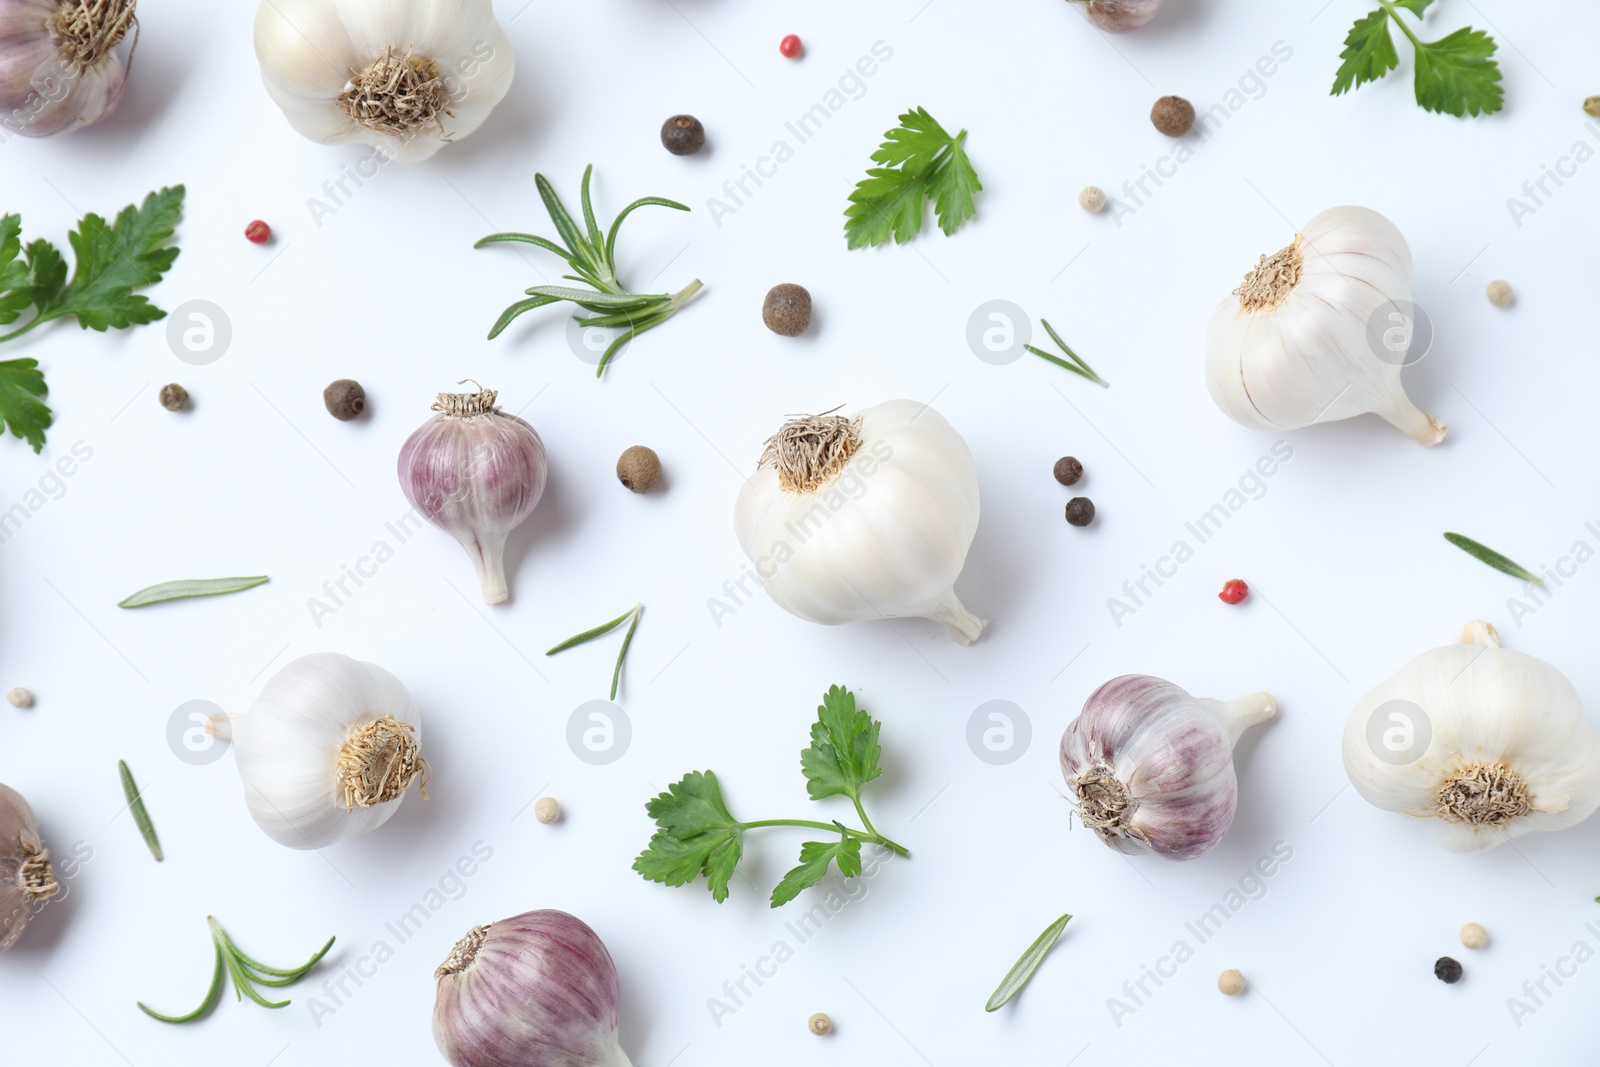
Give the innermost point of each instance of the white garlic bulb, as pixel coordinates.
(1480, 742)
(406, 78)
(27, 881)
(62, 64)
(1151, 767)
(864, 517)
(1319, 331)
(328, 750)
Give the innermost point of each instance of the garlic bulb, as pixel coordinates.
(1319, 331)
(406, 78)
(1151, 767)
(475, 472)
(27, 881)
(536, 990)
(61, 65)
(1119, 16)
(1482, 743)
(864, 517)
(328, 750)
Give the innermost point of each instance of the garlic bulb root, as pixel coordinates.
(378, 762)
(867, 516)
(27, 879)
(61, 66)
(1480, 742)
(1292, 346)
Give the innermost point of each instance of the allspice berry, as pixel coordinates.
(1591, 107)
(639, 468)
(1231, 982)
(787, 309)
(1068, 470)
(547, 810)
(1173, 116)
(174, 397)
(1080, 511)
(682, 135)
(345, 399)
(1092, 198)
(820, 1024)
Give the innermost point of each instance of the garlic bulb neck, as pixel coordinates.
(1483, 795)
(808, 451)
(397, 94)
(85, 30)
(35, 877)
(1237, 716)
(378, 762)
(1273, 278)
(466, 405)
(464, 953)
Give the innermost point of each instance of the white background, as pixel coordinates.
(1344, 550)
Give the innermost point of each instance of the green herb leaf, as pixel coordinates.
(605, 628)
(243, 971)
(844, 748)
(141, 817)
(1416, 7)
(1492, 558)
(205, 1005)
(697, 836)
(1368, 53)
(1023, 969)
(21, 386)
(15, 295)
(179, 590)
(1458, 75)
(1077, 366)
(815, 857)
(918, 161)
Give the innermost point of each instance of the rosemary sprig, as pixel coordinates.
(246, 973)
(1023, 969)
(1077, 366)
(593, 257)
(605, 628)
(155, 594)
(1493, 558)
(141, 817)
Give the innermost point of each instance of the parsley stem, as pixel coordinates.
(871, 837)
(39, 320)
(1389, 7)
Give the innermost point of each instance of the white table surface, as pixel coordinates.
(1343, 548)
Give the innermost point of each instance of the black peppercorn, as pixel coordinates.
(682, 135)
(1080, 511)
(174, 397)
(1447, 970)
(345, 399)
(787, 309)
(1068, 470)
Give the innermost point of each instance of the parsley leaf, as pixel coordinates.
(815, 856)
(112, 261)
(918, 161)
(1455, 76)
(697, 836)
(844, 748)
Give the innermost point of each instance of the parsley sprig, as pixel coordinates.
(1455, 76)
(697, 835)
(112, 260)
(919, 162)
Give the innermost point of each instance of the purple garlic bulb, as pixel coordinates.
(536, 990)
(27, 881)
(476, 473)
(1151, 767)
(1119, 16)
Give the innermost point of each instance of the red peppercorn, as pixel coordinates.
(258, 232)
(1233, 591)
(790, 47)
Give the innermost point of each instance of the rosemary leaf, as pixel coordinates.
(1023, 969)
(1077, 366)
(605, 628)
(140, 816)
(1494, 559)
(616, 675)
(155, 594)
(205, 1005)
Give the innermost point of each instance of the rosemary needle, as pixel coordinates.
(1077, 366)
(605, 628)
(178, 590)
(246, 974)
(1494, 559)
(1023, 969)
(141, 817)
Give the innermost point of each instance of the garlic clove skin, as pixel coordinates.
(1488, 715)
(48, 87)
(536, 990)
(1290, 347)
(312, 51)
(289, 744)
(1151, 767)
(27, 881)
(884, 537)
(1119, 16)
